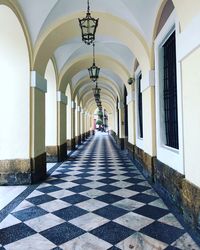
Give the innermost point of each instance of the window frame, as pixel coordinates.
(139, 139)
(170, 156)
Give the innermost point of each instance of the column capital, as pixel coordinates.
(38, 82)
(73, 105)
(148, 80)
(130, 97)
(120, 105)
(61, 97)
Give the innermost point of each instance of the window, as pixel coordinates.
(125, 112)
(117, 109)
(170, 92)
(140, 107)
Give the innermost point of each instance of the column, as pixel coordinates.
(38, 154)
(78, 126)
(83, 125)
(131, 123)
(121, 125)
(73, 141)
(61, 111)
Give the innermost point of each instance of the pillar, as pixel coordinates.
(145, 149)
(38, 154)
(131, 123)
(61, 113)
(78, 125)
(82, 125)
(121, 137)
(73, 121)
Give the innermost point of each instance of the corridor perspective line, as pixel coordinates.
(96, 200)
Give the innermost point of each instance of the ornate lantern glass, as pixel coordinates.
(88, 27)
(94, 70)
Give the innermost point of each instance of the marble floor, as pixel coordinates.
(14, 191)
(96, 200)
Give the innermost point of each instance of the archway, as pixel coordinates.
(15, 98)
(51, 113)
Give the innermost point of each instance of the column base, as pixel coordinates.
(83, 138)
(38, 168)
(71, 144)
(87, 134)
(15, 172)
(23, 172)
(52, 153)
(62, 152)
(78, 140)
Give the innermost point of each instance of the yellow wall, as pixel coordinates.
(61, 123)
(38, 122)
(191, 115)
(148, 97)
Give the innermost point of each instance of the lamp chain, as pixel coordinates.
(93, 53)
(88, 10)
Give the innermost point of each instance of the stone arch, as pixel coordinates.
(57, 31)
(51, 112)
(15, 98)
(103, 62)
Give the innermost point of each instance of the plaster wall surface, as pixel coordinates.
(191, 115)
(50, 107)
(15, 87)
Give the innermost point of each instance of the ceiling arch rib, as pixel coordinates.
(72, 51)
(80, 64)
(91, 106)
(103, 85)
(35, 13)
(109, 26)
(104, 73)
(108, 77)
(132, 12)
(105, 93)
(89, 98)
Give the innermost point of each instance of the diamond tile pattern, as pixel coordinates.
(96, 200)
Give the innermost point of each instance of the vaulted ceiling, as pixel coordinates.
(125, 33)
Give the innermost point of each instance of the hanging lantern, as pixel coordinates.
(94, 70)
(88, 27)
(99, 103)
(96, 92)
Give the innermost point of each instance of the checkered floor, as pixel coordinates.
(96, 200)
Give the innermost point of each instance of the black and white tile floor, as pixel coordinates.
(95, 201)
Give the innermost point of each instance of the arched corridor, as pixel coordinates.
(96, 200)
(94, 85)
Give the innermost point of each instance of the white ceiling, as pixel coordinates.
(139, 14)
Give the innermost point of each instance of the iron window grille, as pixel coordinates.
(140, 106)
(170, 93)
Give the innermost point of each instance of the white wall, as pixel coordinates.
(191, 107)
(14, 88)
(170, 156)
(50, 106)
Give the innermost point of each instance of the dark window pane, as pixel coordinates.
(170, 92)
(140, 107)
